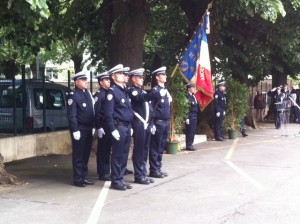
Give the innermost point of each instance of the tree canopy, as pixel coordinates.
(249, 39)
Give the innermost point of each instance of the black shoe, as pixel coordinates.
(105, 177)
(164, 173)
(128, 172)
(219, 139)
(142, 181)
(119, 187)
(80, 184)
(88, 182)
(150, 180)
(244, 134)
(190, 149)
(128, 186)
(156, 175)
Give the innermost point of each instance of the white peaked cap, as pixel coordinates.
(80, 75)
(159, 70)
(139, 71)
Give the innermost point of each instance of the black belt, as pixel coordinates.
(123, 123)
(161, 120)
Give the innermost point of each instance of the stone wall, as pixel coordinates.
(21, 147)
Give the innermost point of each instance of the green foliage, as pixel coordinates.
(179, 105)
(166, 33)
(257, 38)
(237, 97)
(39, 6)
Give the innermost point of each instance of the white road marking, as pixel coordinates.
(246, 176)
(229, 154)
(95, 215)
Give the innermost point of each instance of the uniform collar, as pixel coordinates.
(83, 90)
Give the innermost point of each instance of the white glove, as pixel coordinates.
(101, 132)
(170, 97)
(163, 92)
(116, 135)
(76, 135)
(224, 113)
(187, 121)
(153, 130)
(218, 114)
(93, 131)
(131, 131)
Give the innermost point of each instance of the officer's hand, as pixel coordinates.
(93, 131)
(153, 130)
(224, 113)
(187, 121)
(131, 131)
(76, 135)
(163, 92)
(116, 135)
(218, 114)
(101, 133)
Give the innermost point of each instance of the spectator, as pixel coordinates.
(259, 106)
(294, 108)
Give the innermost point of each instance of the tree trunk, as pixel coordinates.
(10, 69)
(194, 11)
(5, 178)
(278, 79)
(125, 24)
(33, 70)
(77, 59)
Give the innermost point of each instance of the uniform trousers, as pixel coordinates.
(157, 145)
(190, 132)
(104, 153)
(218, 125)
(119, 154)
(81, 153)
(141, 139)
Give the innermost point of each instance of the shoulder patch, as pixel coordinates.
(109, 97)
(70, 101)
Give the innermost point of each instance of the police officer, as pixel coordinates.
(118, 115)
(81, 121)
(191, 121)
(161, 116)
(104, 140)
(126, 85)
(219, 104)
(142, 126)
(277, 95)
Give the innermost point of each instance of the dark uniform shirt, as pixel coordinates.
(117, 107)
(139, 100)
(275, 98)
(160, 104)
(219, 101)
(194, 107)
(99, 98)
(80, 109)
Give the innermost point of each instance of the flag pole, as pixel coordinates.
(174, 71)
(209, 6)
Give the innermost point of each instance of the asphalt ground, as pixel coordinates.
(242, 181)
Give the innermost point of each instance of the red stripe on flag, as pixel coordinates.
(204, 86)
